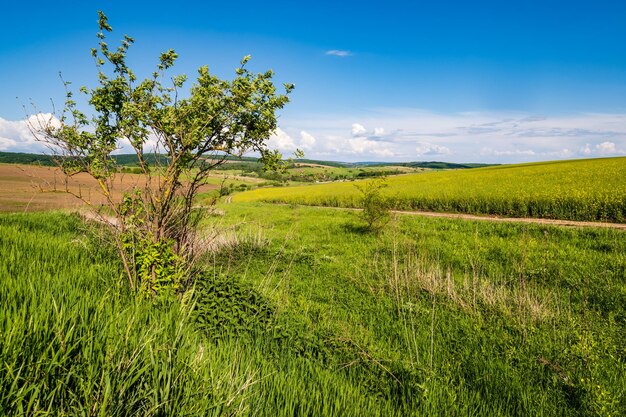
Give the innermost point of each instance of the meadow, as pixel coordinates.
(588, 189)
(300, 311)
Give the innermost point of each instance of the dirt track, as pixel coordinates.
(551, 222)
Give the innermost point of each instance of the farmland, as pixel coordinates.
(251, 170)
(302, 173)
(591, 189)
(36, 188)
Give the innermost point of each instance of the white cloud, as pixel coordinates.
(364, 146)
(358, 130)
(514, 152)
(339, 52)
(16, 136)
(563, 153)
(6, 144)
(498, 137)
(601, 149)
(607, 148)
(425, 148)
(307, 141)
(586, 150)
(282, 141)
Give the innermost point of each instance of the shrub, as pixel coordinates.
(376, 207)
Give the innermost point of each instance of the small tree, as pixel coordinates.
(375, 206)
(178, 139)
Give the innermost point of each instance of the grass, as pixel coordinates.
(445, 317)
(74, 342)
(300, 312)
(590, 189)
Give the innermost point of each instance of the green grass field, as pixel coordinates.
(590, 189)
(301, 312)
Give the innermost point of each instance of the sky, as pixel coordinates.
(457, 81)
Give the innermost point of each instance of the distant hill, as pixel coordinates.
(26, 158)
(131, 160)
(122, 159)
(326, 163)
(425, 164)
(446, 165)
(48, 160)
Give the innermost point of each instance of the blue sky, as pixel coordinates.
(480, 81)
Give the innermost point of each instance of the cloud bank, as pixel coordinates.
(413, 135)
(16, 136)
(495, 137)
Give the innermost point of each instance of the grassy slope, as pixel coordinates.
(592, 189)
(434, 317)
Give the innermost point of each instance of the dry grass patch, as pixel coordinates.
(511, 297)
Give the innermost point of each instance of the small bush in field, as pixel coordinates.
(376, 207)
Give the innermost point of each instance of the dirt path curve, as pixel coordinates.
(98, 217)
(552, 222)
(463, 216)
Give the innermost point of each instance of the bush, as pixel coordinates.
(376, 207)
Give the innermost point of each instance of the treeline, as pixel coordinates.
(333, 164)
(26, 159)
(50, 160)
(124, 160)
(425, 164)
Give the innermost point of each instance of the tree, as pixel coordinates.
(177, 138)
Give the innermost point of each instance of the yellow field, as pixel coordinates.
(587, 189)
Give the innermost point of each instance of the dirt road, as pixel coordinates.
(552, 222)
(463, 216)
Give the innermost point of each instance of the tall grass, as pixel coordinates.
(591, 189)
(74, 342)
(303, 314)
